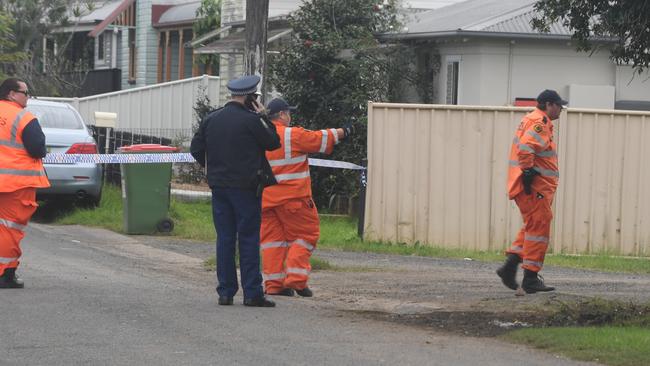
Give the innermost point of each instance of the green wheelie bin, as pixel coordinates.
(146, 190)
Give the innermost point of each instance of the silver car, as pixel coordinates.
(65, 132)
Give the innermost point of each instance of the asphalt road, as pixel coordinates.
(94, 297)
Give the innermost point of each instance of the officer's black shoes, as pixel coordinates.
(284, 292)
(10, 280)
(508, 272)
(260, 302)
(305, 292)
(225, 300)
(534, 283)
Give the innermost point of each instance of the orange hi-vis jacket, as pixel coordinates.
(17, 168)
(534, 147)
(290, 163)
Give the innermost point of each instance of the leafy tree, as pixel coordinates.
(209, 19)
(9, 55)
(32, 20)
(332, 67)
(627, 20)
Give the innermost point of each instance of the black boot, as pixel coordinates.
(260, 302)
(305, 292)
(225, 300)
(284, 292)
(508, 271)
(534, 283)
(9, 279)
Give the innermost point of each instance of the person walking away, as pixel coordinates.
(22, 147)
(532, 181)
(231, 142)
(290, 224)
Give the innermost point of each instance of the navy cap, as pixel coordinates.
(244, 85)
(551, 96)
(278, 105)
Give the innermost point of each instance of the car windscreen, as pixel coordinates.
(56, 117)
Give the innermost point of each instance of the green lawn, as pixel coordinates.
(610, 345)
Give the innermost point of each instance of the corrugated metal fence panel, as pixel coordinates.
(437, 175)
(160, 106)
(602, 202)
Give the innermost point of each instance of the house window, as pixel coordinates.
(453, 70)
(100, 47)
(132, 58)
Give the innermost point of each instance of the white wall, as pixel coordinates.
(631, 86)
(495, 72)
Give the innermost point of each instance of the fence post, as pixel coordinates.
(362, 198)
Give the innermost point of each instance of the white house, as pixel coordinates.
(490, 55)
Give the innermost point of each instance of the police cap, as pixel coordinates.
(244, 85)
(551, 96)
(278, 105)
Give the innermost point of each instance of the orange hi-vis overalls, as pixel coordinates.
(20, 175)
(290, 224)
(533, 147)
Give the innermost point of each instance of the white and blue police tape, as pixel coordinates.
(57, 158)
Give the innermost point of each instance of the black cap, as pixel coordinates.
(551, 96)
(244, 85)
(278, 105)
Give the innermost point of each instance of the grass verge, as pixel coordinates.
(194, 221)
(610, 345)
(610, 332)
(341, 234)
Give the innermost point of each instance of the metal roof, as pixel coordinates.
(235, 42)
(520, 23)
(185, 13)
(464, 15)
(101, 11)
(509, 18)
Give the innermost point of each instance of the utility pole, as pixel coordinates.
(257, 16)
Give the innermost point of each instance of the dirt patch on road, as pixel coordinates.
(467, 298)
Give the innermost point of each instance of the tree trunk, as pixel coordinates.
(257, 14)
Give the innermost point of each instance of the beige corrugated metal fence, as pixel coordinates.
(437, 176)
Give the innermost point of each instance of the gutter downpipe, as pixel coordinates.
(510, 58)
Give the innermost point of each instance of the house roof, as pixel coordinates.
(108, 19)
(102, 9)
(179, 14)
(235, 42)
(482, 17)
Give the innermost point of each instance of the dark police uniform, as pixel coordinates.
(234, 140)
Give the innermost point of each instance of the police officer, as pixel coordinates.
(532, 181)
(22, 145)
(231, 142)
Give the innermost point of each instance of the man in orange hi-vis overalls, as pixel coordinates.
(532, 180)
(22, 145)
(290, 224)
